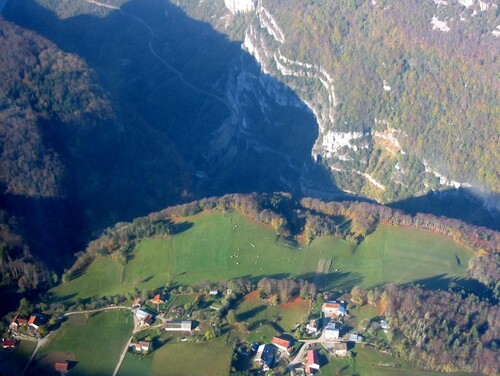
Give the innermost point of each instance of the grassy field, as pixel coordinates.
(177, 359)
(260, 317)
(368, 362)
(220, 246)
(93, 342)
(12, 362)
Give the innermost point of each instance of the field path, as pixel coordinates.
(129, 342)
(122, 355)
(95, 310)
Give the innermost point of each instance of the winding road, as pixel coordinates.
(153, 52)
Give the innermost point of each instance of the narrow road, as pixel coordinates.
(39, 344)
(137, 329)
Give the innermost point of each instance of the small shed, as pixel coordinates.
(61, 366)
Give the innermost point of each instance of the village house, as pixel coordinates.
(339, 348)
(158, 299)
(61, 366)
(312, 326)
(355, 337)
(142, 346)
(144, 317)
(179, 326)
(136, 303)
(331, 331)
(333, 309)
(213, 292)
(17, 322)
(282, 344)
(33, 322)
(9, 344)
(265, 356)
(312, 361)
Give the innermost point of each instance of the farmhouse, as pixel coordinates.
(61, 366)
(142, 346)
(144, 317)
(158, 299)
(282, 344)
(312, 361)
(179, 326)
(33, 322)
(9, 344)
(331, 331)
(145, 345)
(265, 356)
(136, 303)
(334, 309)
(340, 348)
(355, 337)
(312, 327)
(17, 322)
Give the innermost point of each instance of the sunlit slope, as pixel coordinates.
(216, 246)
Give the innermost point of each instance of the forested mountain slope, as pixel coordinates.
(100, 127)
(405, 93)
(67, 164)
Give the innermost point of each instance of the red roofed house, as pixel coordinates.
(142, 346)
(61, 366)
(136, 303)
(31, 322)
(282, 344)
(145, 345)
(9, 344)
(333, 309)
(18, 321)
(312, 361)
(157, 299)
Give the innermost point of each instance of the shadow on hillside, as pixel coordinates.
(462, 204)
(467, 285)
(341, 281)
(178, 82)
(247, 315)
(47, 227)
(177, 228)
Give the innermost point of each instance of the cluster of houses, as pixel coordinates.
(31, 324)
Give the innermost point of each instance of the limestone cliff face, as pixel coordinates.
(236, 6)
(374, 159)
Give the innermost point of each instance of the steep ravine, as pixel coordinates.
(377, 161)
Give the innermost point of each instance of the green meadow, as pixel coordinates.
(370, 362)
(92, 342)
(178, 359)
(12, 362)
(218, 246)
(266, 321)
